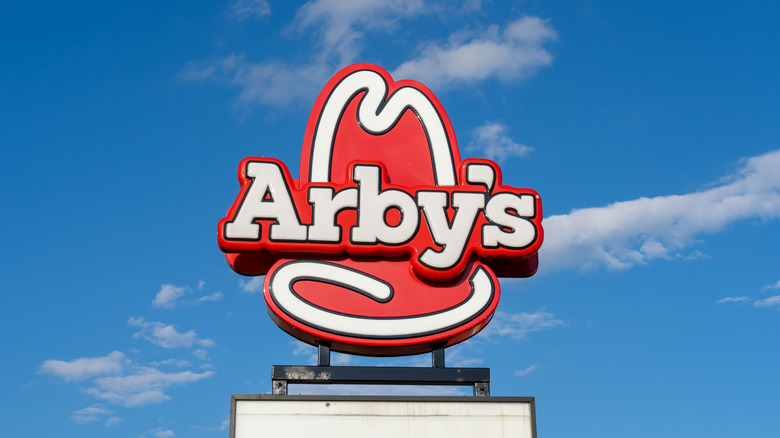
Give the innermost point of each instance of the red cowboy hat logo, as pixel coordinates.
(387, 243)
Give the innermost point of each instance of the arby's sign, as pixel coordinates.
(387, 243)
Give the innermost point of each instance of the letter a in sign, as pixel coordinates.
(387, 243)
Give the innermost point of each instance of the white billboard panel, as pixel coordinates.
(284, 416)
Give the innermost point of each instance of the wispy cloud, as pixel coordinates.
(273, 83)
(773, 301)
(505, 328)
(166, 335)
(510, 54)
(492, 141)
(201, 354)
(339, 25)
(90, 414)
(168, 295)
(85, 367)
(252, 286)
(242, 10)
(338, 29)
(171, 296)
(525, 372)
(311, 355)
(177, 363)
(118, 380)
(464, 355)
(772, 286)
(732, 300)
(142, 386)
(224, 425)
(769, 302)
(470, 6)
(519, 325)
(627, 233)
(159, 432)
(216, 296)
(96, 413)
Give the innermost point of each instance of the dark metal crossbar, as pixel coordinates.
(479, 378)
(323, 373)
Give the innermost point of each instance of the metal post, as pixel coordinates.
(323, 357)
(438, 356)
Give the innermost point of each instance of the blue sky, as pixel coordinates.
(650, 129)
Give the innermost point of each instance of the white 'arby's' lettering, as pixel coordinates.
(325, 206)
(371, 226)
(266, 179)
(452, 238)
(497, 211)
(451, 215)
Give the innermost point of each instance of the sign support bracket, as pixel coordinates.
(324, 373)
(323, 355)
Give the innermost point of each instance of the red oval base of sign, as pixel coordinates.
(352, 306)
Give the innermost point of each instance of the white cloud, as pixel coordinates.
(772, 286)
(627, 233)
(178, 363)
(732, 300)
(224, 425)
(201, 354)
(493, 142)
(162, 433)
(141, 387)
(470, 6)
(90, 414)
(252, 286)
(525, 372)
(340, 24)
(216, 296)
(86, 367)
(168, 296)
(464, 355)
(519, 325)
(338, 28)
(166, 335)
(271, 83)
(769, 302)
(242, 10)
(116, 379)
(306, 350)
(95, 413)
(311, 354)
(508, 55)
(341, 358)
(113, 421)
